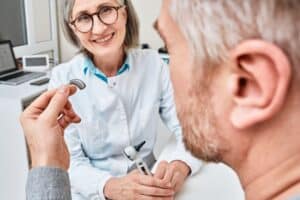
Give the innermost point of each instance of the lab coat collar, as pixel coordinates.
(88, 66)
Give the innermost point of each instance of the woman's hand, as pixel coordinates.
(174, 172)
(44, 122)
(138, 186)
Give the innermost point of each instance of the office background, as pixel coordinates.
(34, 24)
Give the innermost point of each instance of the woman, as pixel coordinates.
(126, 87)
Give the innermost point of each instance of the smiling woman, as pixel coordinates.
(132, 26)
(125, 88)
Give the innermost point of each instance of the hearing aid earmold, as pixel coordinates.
(78, 83)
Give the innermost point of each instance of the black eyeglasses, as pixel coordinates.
(108, 15)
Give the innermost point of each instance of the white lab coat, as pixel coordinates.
(115, 113)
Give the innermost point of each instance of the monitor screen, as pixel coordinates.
(13, 22)
(6, 58)
(36, 61)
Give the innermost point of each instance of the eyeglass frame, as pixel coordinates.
(97, 13)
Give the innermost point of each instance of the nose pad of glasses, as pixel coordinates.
(98, 24)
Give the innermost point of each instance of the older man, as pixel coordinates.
(235, 69)
(234, 65)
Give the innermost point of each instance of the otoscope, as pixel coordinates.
(131, 152)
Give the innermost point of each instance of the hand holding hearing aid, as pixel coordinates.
(44, 122)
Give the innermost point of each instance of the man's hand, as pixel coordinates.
(175, 173)
(44, 122)
(138, 186)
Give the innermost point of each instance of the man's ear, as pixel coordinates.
(259, 82)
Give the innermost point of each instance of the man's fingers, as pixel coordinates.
(68, 117)
(68, 106)
(65, 121)
(161, 170)
(69, 111)
(57, 103)
(72, 89)
(40, 103)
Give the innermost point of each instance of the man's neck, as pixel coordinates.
(280, 182)
(269, 163)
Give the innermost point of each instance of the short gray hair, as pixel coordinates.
(132, 26)
(213, 27)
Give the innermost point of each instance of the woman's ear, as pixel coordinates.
(72, 27)
(259, 82)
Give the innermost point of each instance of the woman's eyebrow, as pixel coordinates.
(79, 13)
(98, 8)
(105, 4)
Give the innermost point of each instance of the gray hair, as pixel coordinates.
(213, 27)
(132, 25)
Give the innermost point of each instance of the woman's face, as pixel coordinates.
(102, 40)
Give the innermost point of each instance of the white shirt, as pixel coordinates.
(116, 112)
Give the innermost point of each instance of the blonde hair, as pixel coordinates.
(132, 25)
(213, 27)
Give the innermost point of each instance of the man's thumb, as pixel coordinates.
(57, 104)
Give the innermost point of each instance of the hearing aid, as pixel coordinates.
(78, 83)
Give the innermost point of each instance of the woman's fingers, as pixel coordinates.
(152, 181)
(161, 170)
(144, 197)
(155, 191)
(177, 181)
(169, 174)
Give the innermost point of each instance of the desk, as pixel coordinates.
(13, 152)
(212, 182)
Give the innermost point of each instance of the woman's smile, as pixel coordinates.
(105, 39)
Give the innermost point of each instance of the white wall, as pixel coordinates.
(66, 50)
(147, 12)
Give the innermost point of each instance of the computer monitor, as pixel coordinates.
(7, 57)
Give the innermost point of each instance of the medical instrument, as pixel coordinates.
(36, 62)
(131, 152)
(79, 83)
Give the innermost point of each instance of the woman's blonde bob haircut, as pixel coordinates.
(132, 25)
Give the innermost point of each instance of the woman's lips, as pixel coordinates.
(104, 39)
